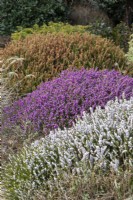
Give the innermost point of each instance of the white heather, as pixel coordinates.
(103, 137)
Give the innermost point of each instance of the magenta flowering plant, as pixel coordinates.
(57, 103)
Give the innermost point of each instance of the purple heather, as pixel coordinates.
(58, 102)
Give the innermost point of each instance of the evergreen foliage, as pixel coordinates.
(27, 13)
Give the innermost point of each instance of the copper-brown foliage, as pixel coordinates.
(1, 52)
(45, 56)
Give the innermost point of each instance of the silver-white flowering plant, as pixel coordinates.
(103, 137)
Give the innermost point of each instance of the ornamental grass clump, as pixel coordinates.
(102, 139)
(45, 56)
(57, 103)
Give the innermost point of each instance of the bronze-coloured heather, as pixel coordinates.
(57, 103)
(45, 56)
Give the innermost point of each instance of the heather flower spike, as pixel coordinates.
(103, 138)
(57, 103)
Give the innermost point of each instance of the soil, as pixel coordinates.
(4, 40)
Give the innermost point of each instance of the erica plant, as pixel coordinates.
(103, 138)
(57, 103)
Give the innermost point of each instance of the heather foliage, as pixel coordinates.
(57, 103)
(45, 56)
(103, 138)
(130, 52)
(96, 185)
(120, 34)
(51, 27)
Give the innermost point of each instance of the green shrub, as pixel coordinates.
(114, 8)
(52, 27)
(27, 13)
(121, 35)
(44, 57)
(129, 55)
(130, 52)
(100, 27)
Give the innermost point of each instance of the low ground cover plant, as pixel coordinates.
(51, 27)
(102, 139)
(45, 56)
(57, 103)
